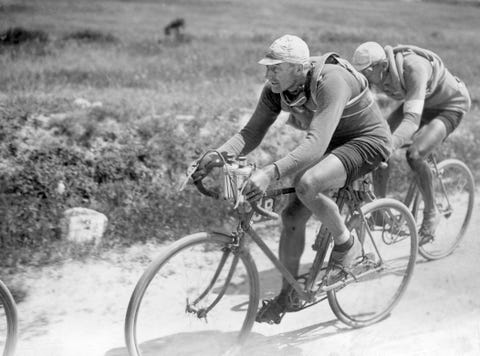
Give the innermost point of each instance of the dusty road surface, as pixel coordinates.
(78, 308)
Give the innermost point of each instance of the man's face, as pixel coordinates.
(281, 76)
(374, 73)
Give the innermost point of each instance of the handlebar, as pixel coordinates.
(222, 160)
(261, 211)
(209, 193)
(258, 209)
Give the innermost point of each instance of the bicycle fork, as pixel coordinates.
(201, 313)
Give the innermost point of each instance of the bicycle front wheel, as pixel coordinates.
(199, 297)
(9, 321)
(454, 191)
(389, 236)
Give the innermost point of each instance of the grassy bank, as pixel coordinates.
(155, 102)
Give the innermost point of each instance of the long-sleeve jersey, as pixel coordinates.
(429, 81)
(419, 78)
(333, 114)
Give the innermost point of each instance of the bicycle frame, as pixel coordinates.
(231, 249)
(349, 196)
(344, 196)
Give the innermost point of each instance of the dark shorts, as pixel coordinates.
(360, 156)
(451, 119)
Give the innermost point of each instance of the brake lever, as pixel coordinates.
(229, 158)
(191, 169)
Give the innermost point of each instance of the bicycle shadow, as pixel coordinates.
(287, 343)
(217, 343)
(270, 283)
(214, 343)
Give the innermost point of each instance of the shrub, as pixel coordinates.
(90, 36)
(129, 171)
(17, 35)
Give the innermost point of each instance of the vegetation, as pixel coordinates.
(100, 101)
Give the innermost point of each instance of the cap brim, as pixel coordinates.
(360, 67)
(269, 61)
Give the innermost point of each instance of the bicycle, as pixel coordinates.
(454, 190)
(9, 320)
(221, 266)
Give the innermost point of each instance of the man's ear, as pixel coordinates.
(298, 68)
(384, 64)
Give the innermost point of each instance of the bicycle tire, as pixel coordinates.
(11, 316)
(359, 303)
(455, 208)
(208, 244)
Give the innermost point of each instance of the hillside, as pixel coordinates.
(96, 98)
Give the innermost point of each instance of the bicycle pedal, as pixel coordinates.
(270, 321)
(336, 281)
(359, 269)
(270, 312)
(426, 239)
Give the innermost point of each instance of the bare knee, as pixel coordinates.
(304, 189)
(414, 156)
(309, 189)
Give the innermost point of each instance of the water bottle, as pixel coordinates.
(242, 174)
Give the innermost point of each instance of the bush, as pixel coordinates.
(90, 36)
(128, 171)
(17, 35)
(125, 158)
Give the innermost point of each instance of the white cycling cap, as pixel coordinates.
(287, 49)
(366, 54)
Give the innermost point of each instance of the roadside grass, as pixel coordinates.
(163, 101)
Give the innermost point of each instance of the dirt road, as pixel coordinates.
(77, 309)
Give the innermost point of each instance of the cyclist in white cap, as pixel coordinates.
(433, 104)
(346, 137)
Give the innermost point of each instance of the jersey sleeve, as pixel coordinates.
(416, 72)
(333, 93)
(265, 114)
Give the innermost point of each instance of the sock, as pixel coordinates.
(345, 246)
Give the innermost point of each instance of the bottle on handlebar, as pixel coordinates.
(243, 172)
(235, 176)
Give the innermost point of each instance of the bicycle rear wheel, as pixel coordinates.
(169, 310)
(454, 190)
(8, 321)
(390, 249)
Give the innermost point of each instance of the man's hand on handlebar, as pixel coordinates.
(258, 183)
(207, 163)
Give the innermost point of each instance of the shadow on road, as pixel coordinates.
(288, 343)
(217, 343)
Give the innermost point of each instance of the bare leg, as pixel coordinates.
(312, 191)
(381, 175)
(292, 244)
(380, 181)
(326, 175)
(292, 238)
(312, 188)
(424, 141)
